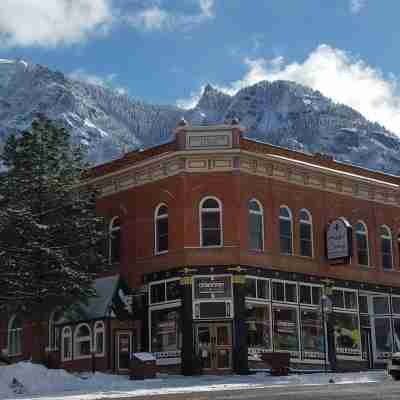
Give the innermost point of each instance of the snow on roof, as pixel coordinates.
(98, 306)
(333, 171)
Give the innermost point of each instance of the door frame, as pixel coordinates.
(116, 347)
(213, 328)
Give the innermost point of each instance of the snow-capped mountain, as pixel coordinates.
(282, 113)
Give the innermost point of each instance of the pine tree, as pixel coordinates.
(50, 236)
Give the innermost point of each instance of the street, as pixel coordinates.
(386, 390)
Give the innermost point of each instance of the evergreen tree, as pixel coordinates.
(50, 236)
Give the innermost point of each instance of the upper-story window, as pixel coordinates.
(306, 233)
(114, 244)
(256, 225)
(14, 336)
(285, 230)
(161, 229)
(386, 247)
(362, 244)
(210, 222)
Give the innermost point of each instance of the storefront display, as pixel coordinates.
(258, 326)
(165, 330)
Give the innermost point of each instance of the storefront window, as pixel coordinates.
(285, 329)
(363, 304)
(165, 330)
(258, 324)
(262, 289)
(347, 334)
(251, 287)
(157, 292)
(284, 291)
(396, 305)
(381, 305)
(396, 334)
(310, 295)
(383, 335)
(350, 300)
(173, 290)
(278, 291)
(312, 335)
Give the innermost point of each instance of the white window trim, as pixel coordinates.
(260, 299)
(290, 218)
(220, 210)
(63, 336)
(261, 213)
(156, 219)
(310, 223)
(284, 292)
(165, 291)
(9, 331)
(99, 327)
(77, 341)
(311, 285)
(364, 233)
(346, 310)
(52, 329)
(388, 236)
(111, 229)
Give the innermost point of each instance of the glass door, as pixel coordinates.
(214, 345)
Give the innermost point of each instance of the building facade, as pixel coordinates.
(231, 248)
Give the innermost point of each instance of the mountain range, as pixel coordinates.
(282, 113)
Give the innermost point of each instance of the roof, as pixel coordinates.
(98, 306)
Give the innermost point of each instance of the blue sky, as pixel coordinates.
(165, 51)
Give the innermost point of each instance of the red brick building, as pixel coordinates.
(227, 247)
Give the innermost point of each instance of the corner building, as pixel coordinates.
(229, 246)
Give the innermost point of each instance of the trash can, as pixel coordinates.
(278, 361)
(143, 366)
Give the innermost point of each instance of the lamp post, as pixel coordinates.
(327, 311)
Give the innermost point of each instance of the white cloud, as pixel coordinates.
(107, 81)
(48, 23)
(156, 18)
(336, 74)
(357, 5)
(192, 100)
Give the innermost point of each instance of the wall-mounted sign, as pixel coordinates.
(339, 241)
(208, 140)
(212, 287)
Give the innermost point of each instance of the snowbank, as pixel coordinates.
(27, 380)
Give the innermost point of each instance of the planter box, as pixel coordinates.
(279, 362)
(143, 366)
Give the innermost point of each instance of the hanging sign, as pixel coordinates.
(339, 241)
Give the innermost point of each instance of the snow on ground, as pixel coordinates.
(37, 382)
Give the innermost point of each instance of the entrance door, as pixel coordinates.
(214, 345)
(123, 349)
(366, 343)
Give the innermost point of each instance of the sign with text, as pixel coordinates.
(212, 287)
(208, 140)
(339, 241)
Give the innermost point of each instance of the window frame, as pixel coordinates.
(259, 213)
(14, 333)
(78, 340)
(65, 335)
(157, 218)
(309, 223)
(365, 234)
(389, 237)
(164, 282)
(290, 219)
(211, 210)
(284, 301)
(53, 331)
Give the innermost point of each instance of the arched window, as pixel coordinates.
(14, 336)
(55, 316)
(83, 341)
(306, 234)
(114, 244)
(99, 338)
(362, 244)
(161, 229)
(256, 225)
(285, 230)
(210, 222)
(66, 343)
(386, 247)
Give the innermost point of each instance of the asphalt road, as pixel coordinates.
(387, 390)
